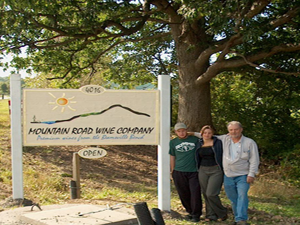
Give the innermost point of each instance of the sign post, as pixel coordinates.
(88, 153)
(164, 187)
(16, 136)
(76, 173)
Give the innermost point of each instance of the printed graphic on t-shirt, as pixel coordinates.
(185, 147)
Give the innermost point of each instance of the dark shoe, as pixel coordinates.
(195, 219)
(188, 217)
(242, 222)
(223, 218)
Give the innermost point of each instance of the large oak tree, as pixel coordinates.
(68, 38)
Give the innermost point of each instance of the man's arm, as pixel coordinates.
(254, 162)
(197, 134)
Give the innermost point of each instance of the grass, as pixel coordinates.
(274, 196)
(47, 175)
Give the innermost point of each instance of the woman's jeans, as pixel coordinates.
(236, 189)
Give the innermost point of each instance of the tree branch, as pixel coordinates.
(256, 66)
(257, 7)
(228, 64)
(92, 62)
(232, 63)
(223, 45)
(286, 17)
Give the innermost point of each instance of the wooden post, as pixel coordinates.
(76, 172)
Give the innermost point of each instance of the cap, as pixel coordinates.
(180, 126)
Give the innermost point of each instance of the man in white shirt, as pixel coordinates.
(240, 163)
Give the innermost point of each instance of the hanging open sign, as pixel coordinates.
(92, 153)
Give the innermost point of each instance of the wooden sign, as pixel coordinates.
(90, 115)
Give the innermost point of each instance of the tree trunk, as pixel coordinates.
(194, 105)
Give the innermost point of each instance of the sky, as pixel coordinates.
(8, 58)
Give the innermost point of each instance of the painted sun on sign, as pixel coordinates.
(62, 102)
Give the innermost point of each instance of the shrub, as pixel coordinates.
(290, 166)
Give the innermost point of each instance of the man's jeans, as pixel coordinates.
(236, 189)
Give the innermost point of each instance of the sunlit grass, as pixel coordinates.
(4, 120)
(117, 194)
(275, 197)
(5, 162)
(5, 176)
(45, 188)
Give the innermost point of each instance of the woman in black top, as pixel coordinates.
(210, 171)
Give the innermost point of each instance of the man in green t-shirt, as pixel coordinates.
(185, 172)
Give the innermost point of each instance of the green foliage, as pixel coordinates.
(4, 88)
(68, 41)
(290, 166)
(128, 43)
(267, 107)
(41, 81)
(71, 39)
(4, 85)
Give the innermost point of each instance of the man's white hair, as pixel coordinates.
(235, 123)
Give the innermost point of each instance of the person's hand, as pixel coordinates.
(250, 180)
